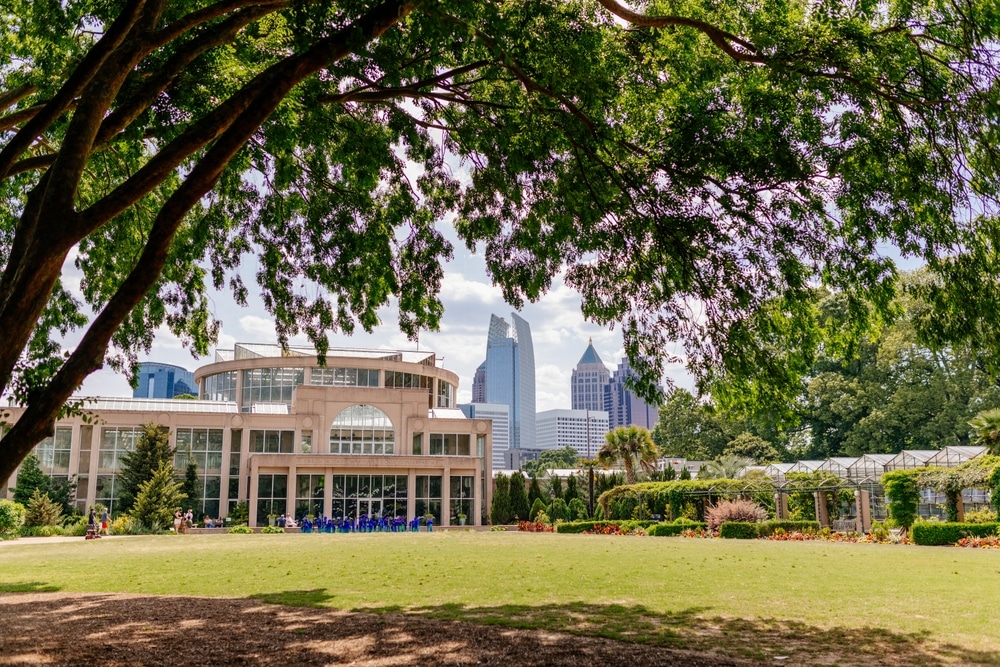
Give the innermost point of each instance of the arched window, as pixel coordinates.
(362, 429)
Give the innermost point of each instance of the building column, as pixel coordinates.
(328, 491)
(411, 494)
(252, 500)
(477, 483)
(291, 489)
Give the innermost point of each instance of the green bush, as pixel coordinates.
(937, 534)
(127, 525)
(11, 518)
(42, 531)
(582, 526)
(272, 529)
(578, 509)
(676, 528)
(767, 528)
(902, 494)
(536, 507)
(739, 530)
(980, 516)
(559, 510)
(241, 530)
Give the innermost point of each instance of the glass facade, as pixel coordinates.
(362, 429)
(272, 496)
(53, 452)
(235, 448)
(344, 377)
(272, 442)
(219, 387)
(270, 385)
(309, 490)
(369, 495)
(461, 497)
(203, 447)
(449, 444)
(428, 496)
(445, 394)
(510, 376)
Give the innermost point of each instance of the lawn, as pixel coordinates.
(751, 598)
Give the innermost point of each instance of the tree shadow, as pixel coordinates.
(27, 587)
(299, 627)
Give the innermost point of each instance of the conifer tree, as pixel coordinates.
(572, 489)
(42, 510)
(537, 506)
(500, 510)
(191, 484)
(518, 497)
(152, 451)
(29, 479)
(534, 492)
(158, 498)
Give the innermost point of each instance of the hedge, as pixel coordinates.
(937, 534)
(582, 526)
(767, 528)
(670, 529)
(738, 530)
(670, 499)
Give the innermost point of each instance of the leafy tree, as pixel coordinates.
(42, 511)
(190, 487)
(555, 486)
(628, 446)
(689, 428)
(725, 467)
(152, 451)
(572, 489)
(578, 510)
(500, 511)
(737, 152)
(158, 498)
(518, 497)
(30, 478)
(537, 506)
(558, 510)
(756, 450)
(552, 459)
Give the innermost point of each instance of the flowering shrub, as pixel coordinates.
(739, 510)
(613, 529)
(986, 542)
(535, 527)
(696, 532)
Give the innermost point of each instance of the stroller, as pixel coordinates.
(93, 532)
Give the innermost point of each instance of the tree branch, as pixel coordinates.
(12, 97)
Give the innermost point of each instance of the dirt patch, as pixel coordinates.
(62, 629)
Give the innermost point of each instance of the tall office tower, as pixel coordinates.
(500, 415)
(623, 406)
(479, 384)
(163, 381)
(588, 381)
(583, 430)
(508, 375)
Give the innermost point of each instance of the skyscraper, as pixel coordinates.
(589, 380)
(158, 380)
(500, 417)
(624, 406)
(508, 375)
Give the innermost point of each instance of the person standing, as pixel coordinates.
(104, 522)
(178, 520)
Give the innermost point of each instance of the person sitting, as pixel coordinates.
(209, 522)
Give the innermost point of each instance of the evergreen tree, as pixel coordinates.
(518, 497)
(669, 474)
(152, 451)
(42, 510)
(537, 506)
(534, 491)
(685, 474)
(558, 510)
(555, 487)
(158, 498)
(578, 510)
(500, 510)
(572, 489)
(191, 487)
(29, 479)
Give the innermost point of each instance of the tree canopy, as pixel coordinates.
(694, 168)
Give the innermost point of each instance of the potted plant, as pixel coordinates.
(461, 519)
(271, 518)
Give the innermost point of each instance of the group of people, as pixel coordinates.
(93, 528)
(363, 524)
(183, 521)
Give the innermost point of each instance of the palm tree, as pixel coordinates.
(986, 427)
(725, 467)
(628, 444)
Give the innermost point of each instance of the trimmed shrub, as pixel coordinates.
(767, 528)
(578, 510)
(558, 510)
(739, 530)
(902, 494)
(981, 516)
(272, 529)
(671, 529)
(536, 507)
(240, 530)
(938, 534)
(42, 531)
(739, 510)
(592, 526)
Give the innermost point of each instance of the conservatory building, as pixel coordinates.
(370, 433)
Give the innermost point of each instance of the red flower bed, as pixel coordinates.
(988, 542)
(535, 527)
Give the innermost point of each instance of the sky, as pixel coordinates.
(558, 330)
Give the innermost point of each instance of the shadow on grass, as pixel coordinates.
(28, 587)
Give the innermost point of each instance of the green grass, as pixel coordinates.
(752, 598)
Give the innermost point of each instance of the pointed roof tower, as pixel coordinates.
(590, 356)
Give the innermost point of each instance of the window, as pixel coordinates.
(53, 452)
(445, 394)
(461, 497)
(272, 442)
(344, 377)
(397, 380)
(270, 385)
(203, 447)
(368, 495)
(219, 387)
(309, 490)
(306, 443)
(362, 429)
(272, 496)
(428, 496)
(449, 444)
(418, 444)
(235, 445)
(114, 443)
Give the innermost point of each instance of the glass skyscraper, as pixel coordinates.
(508, 376)
(158, 380)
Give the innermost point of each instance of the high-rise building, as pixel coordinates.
(500, 415)
(508, 376)
(588, 381)
(163, 381)
(583, 430)
(624, 406)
